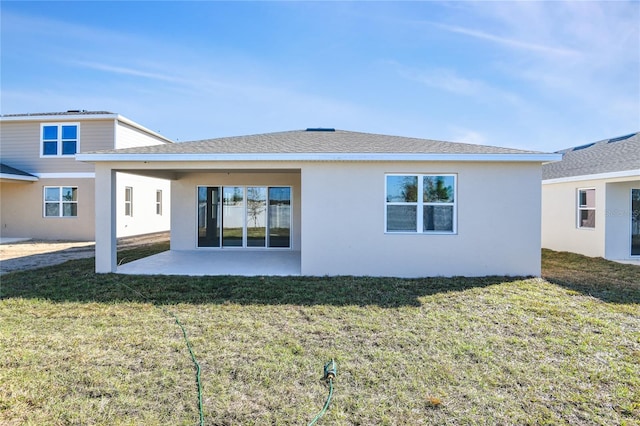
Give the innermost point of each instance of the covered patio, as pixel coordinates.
(217, 262)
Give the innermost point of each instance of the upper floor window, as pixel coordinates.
(421, 203)
(587, 208)
(59, 139)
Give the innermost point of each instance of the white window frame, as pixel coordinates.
(420, 203)
(159, 202)
(128, 201)
(60, 202)
(580, 208)
(59, 140)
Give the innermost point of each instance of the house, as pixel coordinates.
(46, 194)
(591, 199)
(345, 203)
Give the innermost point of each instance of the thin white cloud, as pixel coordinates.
(127, 71)
(450, 81)
(509, 41)
(468, 136)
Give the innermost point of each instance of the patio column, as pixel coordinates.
(106, 243)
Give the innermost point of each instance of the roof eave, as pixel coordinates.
(61, 117)
(85, 117)
(593, 176)
(337, 157)
(25, 178)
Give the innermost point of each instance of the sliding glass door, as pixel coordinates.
(239, 216)
(256, 216)
(208, 216)
(279, 216)
(232, 216)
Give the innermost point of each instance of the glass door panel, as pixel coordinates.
(256, 216)
(279, 217)
(635, 222)
(208, 216)
(233, 216)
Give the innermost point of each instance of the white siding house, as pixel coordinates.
(346, 203)
(591, 200)
(46, 194)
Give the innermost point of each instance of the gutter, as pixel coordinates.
(18, 177)
(609, 175)
(336, 157)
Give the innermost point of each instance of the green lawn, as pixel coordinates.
(87, 349)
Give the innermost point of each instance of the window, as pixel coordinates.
(421, 204)
(159, 202)
(59, 139)
(128, 201)
(60, 201)
(587, 208)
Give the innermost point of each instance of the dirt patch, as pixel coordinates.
(34, 254)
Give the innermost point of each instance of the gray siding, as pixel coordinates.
(20, 146)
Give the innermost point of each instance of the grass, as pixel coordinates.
(80, 348)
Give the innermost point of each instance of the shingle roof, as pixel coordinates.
(70, 112)
(8, 170)
(322, 141)
(605, 156)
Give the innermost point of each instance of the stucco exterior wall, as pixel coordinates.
(560, 230)
(611, 236)
(22, 211)
(618, 219)
(184, 200)
(498, 222)
(144, 218)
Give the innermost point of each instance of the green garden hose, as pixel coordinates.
(186, 339)
(330, 373)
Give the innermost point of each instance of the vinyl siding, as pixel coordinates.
(20, 146)
(130, 137)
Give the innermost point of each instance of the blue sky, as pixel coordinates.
(531, 75)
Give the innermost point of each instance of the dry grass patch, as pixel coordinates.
(84, 349)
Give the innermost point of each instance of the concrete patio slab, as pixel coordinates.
(217, 262)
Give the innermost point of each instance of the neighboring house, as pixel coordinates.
(591, 199)
(349, 203)
(46, 194)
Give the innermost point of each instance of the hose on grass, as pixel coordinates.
(195, 362)
(326, 405)
(186, 339)
(330, 373)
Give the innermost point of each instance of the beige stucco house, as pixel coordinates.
(46, 194)
(591, 200)
(345, 203)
